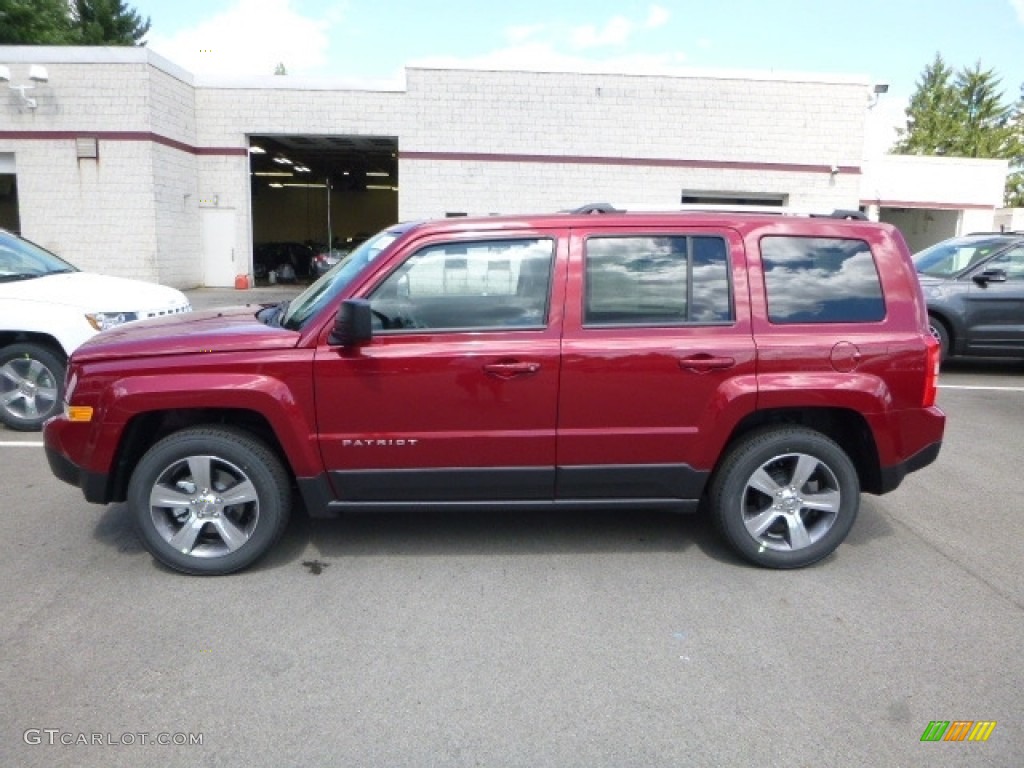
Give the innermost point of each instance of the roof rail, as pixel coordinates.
(595, 208)
(999, 232)
(777, 210)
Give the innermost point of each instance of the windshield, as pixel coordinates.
(21, 260)
(335, 280)
(950, 257)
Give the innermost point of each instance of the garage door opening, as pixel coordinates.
(316, 197)
(732, 199)
(922, 227)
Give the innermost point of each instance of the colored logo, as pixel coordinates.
(958, 730)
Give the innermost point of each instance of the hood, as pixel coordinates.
(90, 292)
(234, 329)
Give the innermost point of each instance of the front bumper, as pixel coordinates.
(94, 486)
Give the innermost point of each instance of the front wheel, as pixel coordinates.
(209, 501)
(785, 497)
(31, 386)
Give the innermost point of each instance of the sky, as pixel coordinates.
(364, 43)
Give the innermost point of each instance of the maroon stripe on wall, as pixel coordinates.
(149, 136)
(654, 162)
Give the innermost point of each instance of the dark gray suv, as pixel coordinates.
(974, 288)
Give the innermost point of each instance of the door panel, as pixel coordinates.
(466, 413)
(650, 360)
(995, 310)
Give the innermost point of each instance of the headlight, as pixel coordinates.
(101, 321)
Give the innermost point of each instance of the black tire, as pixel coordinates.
(31, 385)
(199, 530)
(941, 333)
(785, 497)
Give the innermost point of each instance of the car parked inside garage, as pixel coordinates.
(47, 309)
(974, 288)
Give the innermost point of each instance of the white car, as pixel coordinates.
(47, 309)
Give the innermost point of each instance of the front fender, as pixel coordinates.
(288, 410)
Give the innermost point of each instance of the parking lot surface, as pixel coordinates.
(569, 639)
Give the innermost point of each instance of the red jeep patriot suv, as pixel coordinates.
(768, 368)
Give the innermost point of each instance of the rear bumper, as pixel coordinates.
(893, 476)
(906, 440)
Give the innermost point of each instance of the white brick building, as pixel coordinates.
(124, 163)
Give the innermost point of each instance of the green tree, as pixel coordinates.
(963, 115)
(35, 22)
(1015, 181)
(931, 127)
(107, 22)
(985, 128)
(280, 69)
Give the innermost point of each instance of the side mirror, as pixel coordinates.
(990, 276)
(353, 325)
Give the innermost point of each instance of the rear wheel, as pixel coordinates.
(31, 385)
(941, 334)
(785, 497)
(209, 501)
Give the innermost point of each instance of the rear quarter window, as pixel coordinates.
(821, 280)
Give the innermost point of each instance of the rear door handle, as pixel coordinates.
(706, 363)
(508, 370)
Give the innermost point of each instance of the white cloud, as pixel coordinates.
(617, 30)
(1018, 6)
(553, 48)
(250, 38)
(658, 16)
(614, 32)
(543, 57)
(523, 32)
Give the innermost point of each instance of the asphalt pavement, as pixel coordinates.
(569, 639)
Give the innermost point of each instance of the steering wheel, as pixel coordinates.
(402, 319)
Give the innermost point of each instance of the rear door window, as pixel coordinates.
(656, 280)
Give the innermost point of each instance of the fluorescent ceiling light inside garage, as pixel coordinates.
(273, 173)
(282, 161)
(377, 173)
(257, 150)
(382, 186)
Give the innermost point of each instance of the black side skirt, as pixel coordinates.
(669, 486)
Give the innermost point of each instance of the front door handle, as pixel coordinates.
(705, 363)
(511, 369)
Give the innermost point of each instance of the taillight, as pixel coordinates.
(931, 378)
